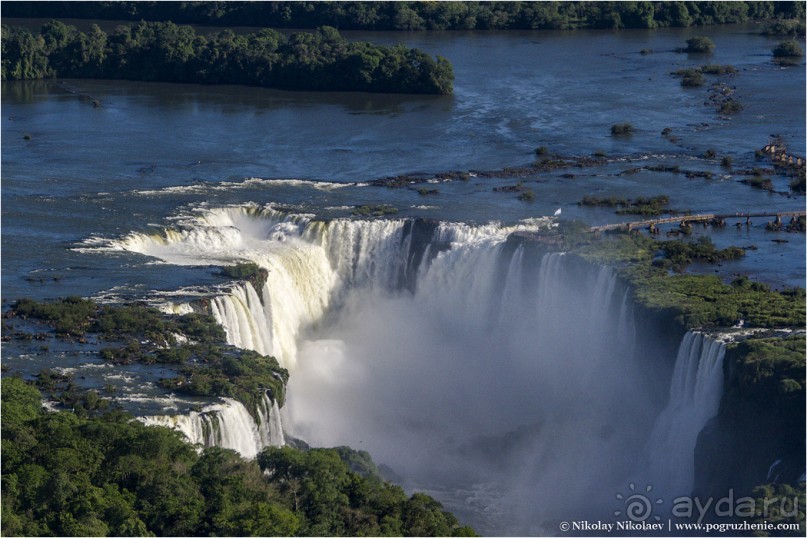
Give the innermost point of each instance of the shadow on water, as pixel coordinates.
(220, 98)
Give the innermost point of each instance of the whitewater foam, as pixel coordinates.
(228, 425)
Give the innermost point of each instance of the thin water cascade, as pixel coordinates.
(695, 391)
(228, 425)
(242, 315)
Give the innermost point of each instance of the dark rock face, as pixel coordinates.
(758, 424)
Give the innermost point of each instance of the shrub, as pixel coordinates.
(241, 271)
(70, 316)
(788, 49)
(693, 80)
(730, 107)
(716, 69)
(699, 44)
(785, 27)
(527, 195)
(759, 182)
(377, 210)
(727, 161)
(621, 129)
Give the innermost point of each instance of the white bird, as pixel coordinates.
(557, 212)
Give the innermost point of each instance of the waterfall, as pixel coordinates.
(452, 352)
(506, 365)
(311, 264)
(228, 425)
(244, 319)
(695, 391)
(270, 429)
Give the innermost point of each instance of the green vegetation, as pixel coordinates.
(110, 475)
(727, 161)
(240, 374)
(325, 492)
(730, 107)
(761, 412)
(758, 182)
(424, 191)
(693, 79)
(621, 129)
(422, 15)
(679, 254)
(695, 300)
(207, 366)
(788, 49)
(789, 510)
(630, 206)
(699, 44)
(250, 272)
(693, 76)
(376, 210)
(162, 51)
(768, 369)
(75, 317)
(527, 195)
(785, 27)
(71, 316)
(764, 401)
(241, 271)
(716, 69)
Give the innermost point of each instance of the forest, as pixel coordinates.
(321, 60)
(110, 475)
(420, 15)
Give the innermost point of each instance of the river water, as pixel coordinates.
(152, 153)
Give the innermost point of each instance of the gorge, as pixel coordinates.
(474, 363)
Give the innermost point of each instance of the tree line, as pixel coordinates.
(109, 475)
(421, 15)
(321, 60)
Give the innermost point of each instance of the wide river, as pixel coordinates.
(75, 175)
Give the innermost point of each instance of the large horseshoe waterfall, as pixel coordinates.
(498, 374)
(555, 301)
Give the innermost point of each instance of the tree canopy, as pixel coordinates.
(162, 51)
(110, 475)
(420, 15)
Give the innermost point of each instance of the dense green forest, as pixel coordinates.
(202, 365)
(65, 475)
(163, 51)
(420, 15)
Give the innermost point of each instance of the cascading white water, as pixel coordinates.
(243, 317)
(270, 428)
(503, 367)
(460, 359)
(695, 391)
(228, 425)
(309, 263)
